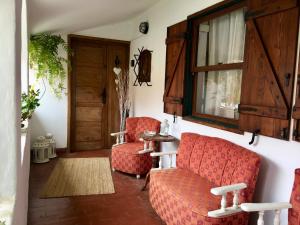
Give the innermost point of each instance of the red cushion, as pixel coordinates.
(182, 197)
(125, 158)
(219, 161)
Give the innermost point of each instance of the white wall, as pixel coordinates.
(123, 30)
(10, 92)
(10, 54)
(51, 115)
(280, 158)
(23, 159)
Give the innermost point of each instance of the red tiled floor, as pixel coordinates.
(128, 206)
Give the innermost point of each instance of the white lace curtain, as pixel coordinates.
(226, 37)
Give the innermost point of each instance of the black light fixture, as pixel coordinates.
(144, 27)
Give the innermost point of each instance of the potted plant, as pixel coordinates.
(45, 59)
(29, 102)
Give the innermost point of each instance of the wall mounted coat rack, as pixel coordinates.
(142, 67)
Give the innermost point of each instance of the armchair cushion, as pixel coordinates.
(126, 157)
(177, 194)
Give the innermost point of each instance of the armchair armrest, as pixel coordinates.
(120, 137)
(118, 133)
(155, 154)
(262, 207)
(235, 208)
(161, 154)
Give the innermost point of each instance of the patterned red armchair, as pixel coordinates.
(129, 156)
(294, 206)
(191, 193)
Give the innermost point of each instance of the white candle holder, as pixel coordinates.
(40, 150)
(52, 145)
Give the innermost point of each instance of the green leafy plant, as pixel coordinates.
(2, 223)
(44, 58)
(29, 103)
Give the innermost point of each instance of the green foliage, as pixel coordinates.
(44, 58)
(29, 103)
(2, 222)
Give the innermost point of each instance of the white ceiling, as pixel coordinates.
(76, 15)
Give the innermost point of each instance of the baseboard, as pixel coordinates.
(61, 150)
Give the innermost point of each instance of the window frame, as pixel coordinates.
(192, 69)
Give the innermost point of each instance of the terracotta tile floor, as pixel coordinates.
(128, 206)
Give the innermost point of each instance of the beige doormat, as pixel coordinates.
(79, 176)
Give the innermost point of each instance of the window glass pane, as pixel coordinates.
(218, 93)
(221, 40)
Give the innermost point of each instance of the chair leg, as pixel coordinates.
(138, 176)
(113, 169)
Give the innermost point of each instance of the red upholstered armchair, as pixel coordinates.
(294, 206)
(213, 176)
(130, 155)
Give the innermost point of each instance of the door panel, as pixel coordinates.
(94, 111)
(89, 97)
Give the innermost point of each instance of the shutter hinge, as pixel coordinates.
(284, 134)
(295, 134)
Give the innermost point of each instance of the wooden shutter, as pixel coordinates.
(175, 68)
(269, 67)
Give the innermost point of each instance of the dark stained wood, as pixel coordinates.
(93, 103)
(175, 68)
(113, 106)
(220, 9)
(217, 10)
(274, 112)
(257, 8)
(219, 67)
(129, 205)
(215, 125)
(270, 58)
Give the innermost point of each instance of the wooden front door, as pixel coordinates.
(93, 97)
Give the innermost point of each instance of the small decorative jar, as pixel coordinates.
(52, 145)
(40, 150)
(164, 128)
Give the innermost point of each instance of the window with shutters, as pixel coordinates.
(216, 62)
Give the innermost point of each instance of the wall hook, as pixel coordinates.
(254, 134)
(174, 117)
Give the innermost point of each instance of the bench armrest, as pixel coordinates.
(229, 188)
(257, 207)
(161, 154)
(155, 154)
(226, 211)
(262, 207)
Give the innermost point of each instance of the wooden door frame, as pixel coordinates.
(102, 41)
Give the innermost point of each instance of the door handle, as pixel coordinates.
(103, 96)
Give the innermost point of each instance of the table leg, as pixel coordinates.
(155, 163)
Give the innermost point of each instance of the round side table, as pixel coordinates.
(155, 140)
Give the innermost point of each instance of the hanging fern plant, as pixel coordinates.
(44, 58)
